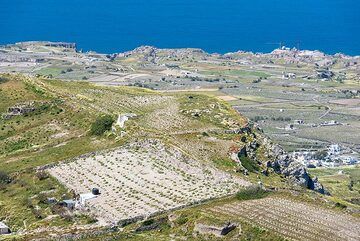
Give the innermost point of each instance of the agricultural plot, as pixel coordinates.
(343, 182)
(142, 179)
(293, 220)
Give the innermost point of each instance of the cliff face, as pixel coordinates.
(282, 163)
(278, 160)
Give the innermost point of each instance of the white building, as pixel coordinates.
(86, 197)
(288, 75)
(123, 118)
(4, 229)
(334, 149)
(349, 160)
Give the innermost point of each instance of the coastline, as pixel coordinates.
(239, 51)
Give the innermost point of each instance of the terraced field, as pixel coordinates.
(292, 219)
(144, 178)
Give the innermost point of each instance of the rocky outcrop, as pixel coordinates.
(325, 74)
(19, 109)
(218, 231)
(283, 164)
(278, 160)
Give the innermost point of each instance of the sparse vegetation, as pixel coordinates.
(251, 192)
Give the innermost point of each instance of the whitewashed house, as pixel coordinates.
(86, 197)
(4, 229)
(334, 149)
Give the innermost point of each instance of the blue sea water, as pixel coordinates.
(213, 25)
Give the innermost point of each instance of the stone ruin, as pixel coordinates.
(218, 231)
(19, 109)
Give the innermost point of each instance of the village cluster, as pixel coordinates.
(292, 126)
(334, 156)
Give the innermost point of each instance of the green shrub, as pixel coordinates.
(3, 79)
(250, 165)
(102, 124)
(340, 205)
(252, 192)
(42, 198)
(182, 220)
(42, 175)
(148, 222)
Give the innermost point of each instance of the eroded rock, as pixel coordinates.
(218, 231)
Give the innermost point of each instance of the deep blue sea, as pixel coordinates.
(213, 25)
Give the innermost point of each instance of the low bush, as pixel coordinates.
(3, 79)
(250, 165)
(252, 192)
(340, 205)
(42, 175)
(182, 220)
(102, 124)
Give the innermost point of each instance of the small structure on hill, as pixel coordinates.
(19, 109)
(330, 123)
(121, 120)
(288, 75)
(84, 197)
(51, 200)
(289, 127)
(299, 122)
(4, 229)
(218, 231)
(70, 204)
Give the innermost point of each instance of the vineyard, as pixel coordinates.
(142, 179)
(292, 219)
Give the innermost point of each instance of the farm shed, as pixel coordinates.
(69, 203)
(4, 229)
(85, 197)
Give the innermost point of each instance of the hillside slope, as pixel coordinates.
(177, 149)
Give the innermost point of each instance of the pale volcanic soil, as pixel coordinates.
(142, 179)
(292, 219)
